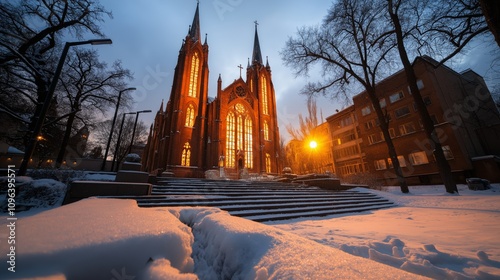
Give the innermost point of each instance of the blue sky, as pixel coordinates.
(147, 36)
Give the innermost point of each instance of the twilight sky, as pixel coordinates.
(147, 36)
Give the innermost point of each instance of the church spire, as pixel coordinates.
(257, 55)
(194, 31)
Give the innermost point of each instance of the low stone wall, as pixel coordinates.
(83, 189)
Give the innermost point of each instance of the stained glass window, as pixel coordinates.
(193, 78)
(189, 116)
(186, 155)
(263, 81)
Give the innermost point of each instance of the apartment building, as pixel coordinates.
(348, 157)
(466, 120)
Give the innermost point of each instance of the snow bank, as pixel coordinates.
(431, 233)
(114, 239)
(228, 247)
(100, 239)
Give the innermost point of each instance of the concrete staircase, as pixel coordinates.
(260, 201)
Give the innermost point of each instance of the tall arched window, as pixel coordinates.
(263, 84)
(193, 77)
(239, 133)
(248, 143)
(230, 144)
(268, 163)
(189, 116)
(266, 130)
(239, 136)
(186, 155)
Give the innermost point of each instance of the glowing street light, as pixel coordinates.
(313, 144)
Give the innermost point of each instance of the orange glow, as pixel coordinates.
(313, 144)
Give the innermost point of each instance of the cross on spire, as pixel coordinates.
(241, 68)
(256, 23)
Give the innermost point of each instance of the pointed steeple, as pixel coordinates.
(256, 55)
(161, 108)
(194, 31)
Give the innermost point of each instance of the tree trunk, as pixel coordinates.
(442, 163)
(64, 143)
(384, 126)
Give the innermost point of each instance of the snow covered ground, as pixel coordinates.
(430, 233)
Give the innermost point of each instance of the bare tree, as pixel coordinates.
(491, 11)
(101, 134)
(88, 85)
(444, 27)
(350, 46)
(307, 124)
(30, 42)
(297, 154)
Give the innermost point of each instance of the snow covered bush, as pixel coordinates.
(30, 193)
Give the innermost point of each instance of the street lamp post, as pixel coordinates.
(135, 125)
(117, 148)
(313, 145)
(103, 166)
(50, 93)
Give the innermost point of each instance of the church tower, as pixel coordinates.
(238, 129)
(185, 121)
(259, 80)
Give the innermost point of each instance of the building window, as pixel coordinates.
(369, 124)
(266, 130)
(418, 158)
(396, 96)
(189, 116)
(401, 112)
(230, 143)
(375, 138)
(346, 121)
(264, 95)
(401, 159)
(392, 133)
(193, 77)
(248, 143)
(366, 110)
(186, 155)
(382, 103)
(380, 164)
(239, 133)
(447, 152)
(346, 137)
(268, 163)
(239, 137)
(406, 128)
(420, 85)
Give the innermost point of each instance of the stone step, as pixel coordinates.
(255, 202)
(259, 201)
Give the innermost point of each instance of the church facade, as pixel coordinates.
(237, 130)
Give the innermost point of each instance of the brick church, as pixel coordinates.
(238, 129)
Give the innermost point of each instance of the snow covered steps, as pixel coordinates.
(260, 201)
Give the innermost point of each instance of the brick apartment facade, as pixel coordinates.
(466, 120)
